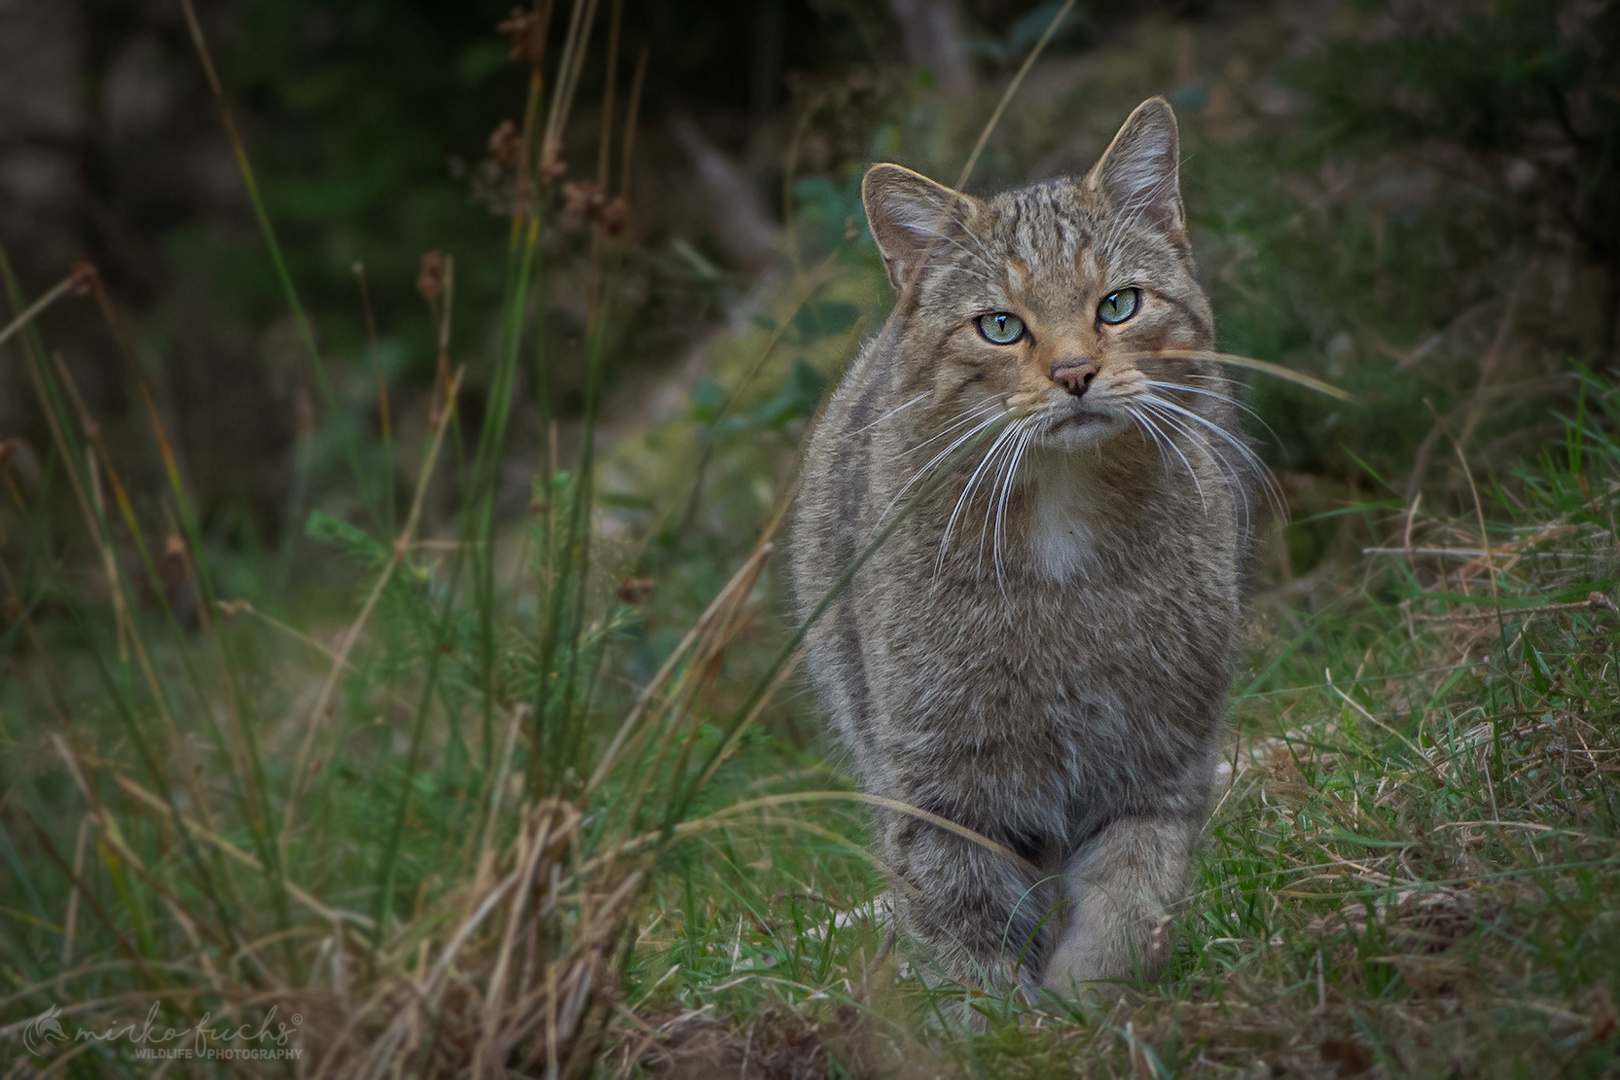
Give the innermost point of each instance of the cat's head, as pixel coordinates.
(1059, 300)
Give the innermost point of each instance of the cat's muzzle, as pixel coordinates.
(1079, 425)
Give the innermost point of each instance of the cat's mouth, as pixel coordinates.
(1079, 418)
(1084, 424)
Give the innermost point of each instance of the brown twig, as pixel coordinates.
(76, 282)
(1594, 602)
(1012, 89)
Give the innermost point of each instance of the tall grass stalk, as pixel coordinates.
(374, 498)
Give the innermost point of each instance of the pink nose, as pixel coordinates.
(1074, 375)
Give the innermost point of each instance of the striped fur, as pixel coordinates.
(1041, 651)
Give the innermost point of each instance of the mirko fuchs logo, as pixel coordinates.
(152, 1038)
(44, 1030)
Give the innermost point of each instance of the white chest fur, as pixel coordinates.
(1060, 543)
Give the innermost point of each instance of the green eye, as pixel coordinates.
(1116, 307)
(1000, 327)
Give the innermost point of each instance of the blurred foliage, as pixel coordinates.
(369, 120)
(1389, 197)
(1534, 85)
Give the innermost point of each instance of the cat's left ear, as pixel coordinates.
(1141, 169)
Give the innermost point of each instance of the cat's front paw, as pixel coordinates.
(1092, 960)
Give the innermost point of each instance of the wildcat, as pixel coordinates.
(1040, 651)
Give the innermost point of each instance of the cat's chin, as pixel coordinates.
(1084, 429)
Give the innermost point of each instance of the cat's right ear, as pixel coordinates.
(907, 213)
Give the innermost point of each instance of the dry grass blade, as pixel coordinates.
(1265, 367)
(1012, 89)
(1594, 602)
(352, 635)
(76, 282)
(736, 589)
(726, 817)
(157, 806)
(735, 738)
(571, 65)
(470, 1005)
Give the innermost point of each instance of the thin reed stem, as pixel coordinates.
(1012, 90)
(306, 330)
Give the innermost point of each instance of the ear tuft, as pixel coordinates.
(907, 213)
(1141, 169)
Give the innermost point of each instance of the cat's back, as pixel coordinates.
(842, 464)
(837, 476)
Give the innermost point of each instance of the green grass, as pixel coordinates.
(1413, 862)
(545, 792)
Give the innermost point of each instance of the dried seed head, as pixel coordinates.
(583, 199)
(615, 215)
(430, 282)
(635, 590)
(528, 32)
(506, 144)
(174, 546)
(84, 279)
(553, 170)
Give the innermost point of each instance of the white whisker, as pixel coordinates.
(897, 409)
(966, 416)
(1006, 492)
(995, 487)
(967, 493)
(1258, 466)
(1211, 454)
(1152, 430)
(936, 459)
(1149, 401)
(1261, 471)
(1219, 459)
(1218, 397)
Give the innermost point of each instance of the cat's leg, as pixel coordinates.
(1121, 887)
(979, 912)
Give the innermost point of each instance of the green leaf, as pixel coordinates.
(826, 319)
(350, 540)
(1348, 837)
(707, 400)
(796, 399)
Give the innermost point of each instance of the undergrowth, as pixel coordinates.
(1411, 865)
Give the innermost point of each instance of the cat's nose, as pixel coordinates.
(1074, 375)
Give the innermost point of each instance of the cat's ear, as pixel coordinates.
(1141, 169)
(907, 213)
